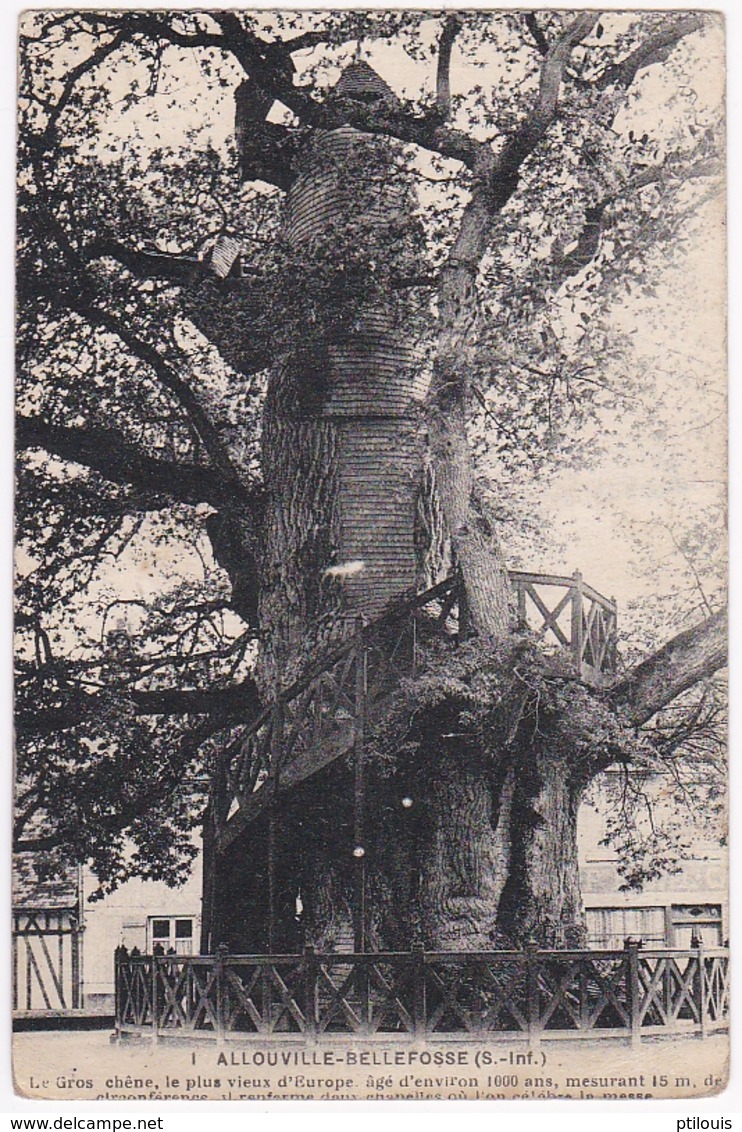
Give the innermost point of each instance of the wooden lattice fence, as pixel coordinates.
(531, 994)
(46, 950)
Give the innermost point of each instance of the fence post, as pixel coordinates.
(612, 657)
(120, 956)
(75, 961)
(311, 1003)
(534, 1012)
(577, 621)
(633, 989)
(522, 615)
(155, 1008)
(219, 956)
(418, 988)
(276, 756)
(696, 942)
(359, 801)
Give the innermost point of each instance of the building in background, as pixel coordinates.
(63, 945)
(668, 912)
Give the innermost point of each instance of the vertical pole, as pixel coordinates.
(15, 961)
(60, 959)
(276, 756)
(613, 646)
(697, 946)
(117, 1003)
(220, 996)
(577, 621)
(208, 934)
(27, 941)
(214, 818)
(155, 1010)
(271, 871)
(522, 617)
(633, 989)
(311, 1004)
(418, 988)
(75, 963)
(359, 799)
(534, 1012)
(79, 954)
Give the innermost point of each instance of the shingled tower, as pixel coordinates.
(349, 396)
(344, 466)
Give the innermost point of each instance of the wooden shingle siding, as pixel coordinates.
(379, 471)
(371, 381)
(382, 382)
(322, 198)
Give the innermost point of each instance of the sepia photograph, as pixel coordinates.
(370, 555)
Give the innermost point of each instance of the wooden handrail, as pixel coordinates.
(591, 641)
(403, 607)
(548, 993)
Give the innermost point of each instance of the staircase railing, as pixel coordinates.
(322, 715)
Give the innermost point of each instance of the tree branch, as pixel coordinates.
(451, 28)
(239, 703)
(589, 238)
(495, 181)
(104, 451)
(555, 61)
(149, 265)
(72, 78)
(266, 149)
(656, 48)
(85, 305)
(691, 656)
(82, 298)
(538, 36)
(225, 705)
(269, 67)
(138, 801)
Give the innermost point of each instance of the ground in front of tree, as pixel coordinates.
(66, 1065)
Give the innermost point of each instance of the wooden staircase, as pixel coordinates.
(322, 717)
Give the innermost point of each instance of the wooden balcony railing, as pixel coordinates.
(528, 995)
(322, 716)
(570, 614)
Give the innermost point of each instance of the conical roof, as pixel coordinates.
(359, 80)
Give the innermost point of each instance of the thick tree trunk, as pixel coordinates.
(498, 865)
(542, 899)
(465, 865)
(370, 496)
(361, 510)
(471, 850)
(342, 444)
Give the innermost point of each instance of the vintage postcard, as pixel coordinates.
(371, 560)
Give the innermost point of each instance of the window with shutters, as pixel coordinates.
(608, 928)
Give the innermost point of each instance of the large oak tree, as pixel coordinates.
(188, 310)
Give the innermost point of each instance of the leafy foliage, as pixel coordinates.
(141, 373)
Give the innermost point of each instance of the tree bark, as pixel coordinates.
(465, 865)
(692, 655)
(486, 854)
(542, 899)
